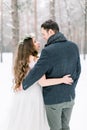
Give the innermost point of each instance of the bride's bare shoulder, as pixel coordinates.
(31, 58)
(36, 59)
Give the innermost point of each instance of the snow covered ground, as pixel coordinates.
(79, 115)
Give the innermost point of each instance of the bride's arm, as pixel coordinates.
(53, 81)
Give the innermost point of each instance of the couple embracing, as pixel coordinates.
(45, 86)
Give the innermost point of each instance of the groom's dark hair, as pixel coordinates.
(50, 24)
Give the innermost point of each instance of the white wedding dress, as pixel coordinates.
(28, 110)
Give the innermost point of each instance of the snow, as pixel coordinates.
(79, 114)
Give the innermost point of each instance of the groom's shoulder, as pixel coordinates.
(48, 48)
(45, 51)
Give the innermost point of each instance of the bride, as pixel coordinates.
(27, 109)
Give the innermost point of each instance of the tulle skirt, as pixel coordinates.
(27, 110)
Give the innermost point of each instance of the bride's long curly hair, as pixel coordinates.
(21, 63)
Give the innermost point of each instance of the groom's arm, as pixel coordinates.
(38, 71)
(76, 74)
(78, 71)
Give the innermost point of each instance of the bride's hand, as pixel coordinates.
(67, 79)
(19, 89)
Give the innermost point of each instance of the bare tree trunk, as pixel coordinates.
(59, 14)
(35, 17)
(52, 9)
(68, 20)
(85, 44)
(15, 23)
(1, 41)
(27, 14)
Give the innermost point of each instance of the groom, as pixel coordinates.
(58, 58)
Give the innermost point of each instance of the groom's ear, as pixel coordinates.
(51, 32)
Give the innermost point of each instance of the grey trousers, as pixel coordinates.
(59, 115)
